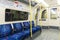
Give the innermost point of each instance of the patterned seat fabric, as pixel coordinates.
(5, 30)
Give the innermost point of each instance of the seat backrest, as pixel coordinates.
(26, 24)
(17, 27)
(33, 24)
(5, 29)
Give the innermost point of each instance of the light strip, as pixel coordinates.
(58, 2)
(42, 1)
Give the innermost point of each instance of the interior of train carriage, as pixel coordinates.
(30, 20)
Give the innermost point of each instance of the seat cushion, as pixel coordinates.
(35, 29)
(27, 32)
(38, 27)
(17, 27)
(17, 36)
(20, 35)
(5, 30)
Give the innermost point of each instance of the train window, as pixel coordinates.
(53, 13)
(44, 15)
(13, 15)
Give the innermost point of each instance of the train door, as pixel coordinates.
(58, 11)
(54, 20)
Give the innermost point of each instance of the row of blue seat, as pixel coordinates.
(18, 32)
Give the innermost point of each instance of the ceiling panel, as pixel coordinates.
(51, 2)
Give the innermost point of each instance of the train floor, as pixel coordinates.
(49, 34)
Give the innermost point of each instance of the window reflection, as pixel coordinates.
(13, 15)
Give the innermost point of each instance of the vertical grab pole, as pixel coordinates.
(30, 18)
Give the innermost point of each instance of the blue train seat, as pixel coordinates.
(18, 28)
(5, 30)
(34, 28)
(37, 26)
(17, 36)
(26, 25)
